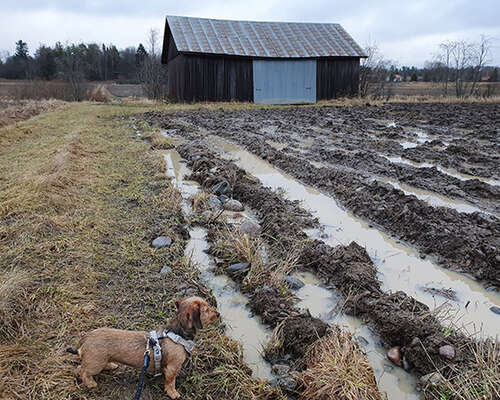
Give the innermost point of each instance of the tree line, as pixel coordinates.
(74, 64)
(94, 62)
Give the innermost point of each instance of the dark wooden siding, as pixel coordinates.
(337, 77)
(194, 78)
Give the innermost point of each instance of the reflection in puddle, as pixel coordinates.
(432, 198)
(324, 304)
(232, 305)
(399, 266)
(447, 171)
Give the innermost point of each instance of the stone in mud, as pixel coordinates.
(249, 227)
(223, 198)
(221, 188)
(166, 270)
(161, 241)
(280, 369)
(433, 378)
(362, 341)
(394, 354)
(238, 268)
(233, 205)
(293, 283)
(206, 214)
(495, 309)
(447, 351)
(286, 383)
(214, 202)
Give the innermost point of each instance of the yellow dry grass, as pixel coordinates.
(479, 380)
(337, 369)
(80, 202)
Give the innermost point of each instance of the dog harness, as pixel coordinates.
(154, 342)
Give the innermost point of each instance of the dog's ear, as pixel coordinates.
(195, 314)
(179, 301)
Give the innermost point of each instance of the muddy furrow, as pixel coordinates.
(481, 194)
(462, 242)
(399, 319)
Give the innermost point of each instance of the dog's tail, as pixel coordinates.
(72, 351)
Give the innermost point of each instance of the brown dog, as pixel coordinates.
(101, 348)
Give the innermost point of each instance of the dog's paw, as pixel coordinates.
(173, 394)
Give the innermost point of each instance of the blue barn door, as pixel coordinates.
(284, 81)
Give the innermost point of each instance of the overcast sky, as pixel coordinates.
(406, 32)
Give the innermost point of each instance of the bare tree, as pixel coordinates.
(152, 74)
(373, 73)
(480, 57)
(463, 62)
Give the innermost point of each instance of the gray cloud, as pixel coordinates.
(407, 33)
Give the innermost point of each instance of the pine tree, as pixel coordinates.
(140, 55)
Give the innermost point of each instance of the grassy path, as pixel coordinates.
(80, 203)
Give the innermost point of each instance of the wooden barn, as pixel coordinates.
(261, 62)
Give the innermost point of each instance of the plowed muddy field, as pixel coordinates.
(388, 217)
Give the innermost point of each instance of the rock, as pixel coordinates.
(447, 351)
(433, 378)
(214, 202)
(238, 268)
(286, 382)
(495, 309)
(293, 283)
(362, 341)
(250, 227)
(221, 188)
(223, 198)
(166, 270)
(394, 354)
(280, 369)
(161, 241)
(233, 205)
(206, 214)
(492, 289)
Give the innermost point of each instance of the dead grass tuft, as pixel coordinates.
(199, 201)
(479, 380)
(218, 371)
(20, 110)
(14, 299)
(337, 369)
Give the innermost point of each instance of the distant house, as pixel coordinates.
(261, 62)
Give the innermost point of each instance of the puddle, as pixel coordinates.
(231, 303)
(276, 145)
(323, 304)
(408, 145)
(432, 198)
(317, 164)
(447, 171)
(399, 266)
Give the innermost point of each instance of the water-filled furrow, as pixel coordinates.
(399, 266)
(447, 171)
(432, 198)
(231, 303)
(325, 304)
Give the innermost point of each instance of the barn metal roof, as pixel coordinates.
(262, 39)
